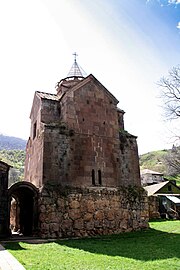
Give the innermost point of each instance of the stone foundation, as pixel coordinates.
(91, 211)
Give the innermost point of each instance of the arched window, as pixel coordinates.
(99, 177)
(93, 177)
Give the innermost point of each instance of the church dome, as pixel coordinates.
(75, 75)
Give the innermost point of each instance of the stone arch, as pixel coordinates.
(25, 195)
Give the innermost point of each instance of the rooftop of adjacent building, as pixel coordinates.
(155, 188)
(147, 171)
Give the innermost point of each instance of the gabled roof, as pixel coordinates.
(147, 171)
(43, 95)
(84, 81)
(47, 95)
(152, 189)
(90, 78)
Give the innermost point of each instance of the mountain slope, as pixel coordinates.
(12, 151)
(154, 161)
(11, 143)
(157, 161)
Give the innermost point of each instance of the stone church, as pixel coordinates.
(82, 173)
(77, 137)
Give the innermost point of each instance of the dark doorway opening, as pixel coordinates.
(23, 208)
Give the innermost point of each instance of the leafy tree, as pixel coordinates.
(14, 176)
(16, 159)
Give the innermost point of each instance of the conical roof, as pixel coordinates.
(76, 70)
(75, 75)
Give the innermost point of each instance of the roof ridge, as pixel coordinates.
(46, 93)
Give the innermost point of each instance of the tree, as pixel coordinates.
(14, 176)
(170, 95)
(170, 87)
(172, 161)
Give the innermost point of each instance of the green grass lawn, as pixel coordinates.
(155, 248)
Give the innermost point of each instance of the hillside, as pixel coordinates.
(16, 159)
(155, 161)
(11, 143)
(12, 151)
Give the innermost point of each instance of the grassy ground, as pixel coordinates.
(155, 249)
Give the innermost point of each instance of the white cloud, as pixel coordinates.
(163, 3)
(178, 25)
(176, 2)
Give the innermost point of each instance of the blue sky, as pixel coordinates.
(127, 45)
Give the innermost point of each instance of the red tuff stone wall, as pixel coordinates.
(74, 156)
(87, 141)
(69, 159)
(129, 160)
(34, 160)
(80, 140)
(43, 111)
(50, 111)
(34, 147)
(89, 110)
(79, 213)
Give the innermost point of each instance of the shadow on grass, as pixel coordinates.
(159, 220)
(163, 220)
(146, 246)
(14, 246)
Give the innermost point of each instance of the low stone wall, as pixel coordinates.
(93, 211)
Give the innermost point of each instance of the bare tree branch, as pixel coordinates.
(170, 95)
(172, 161)
(170, 87)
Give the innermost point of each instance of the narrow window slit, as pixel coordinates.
(93, 177)
(99, 177)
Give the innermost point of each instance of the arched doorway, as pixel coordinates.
(23, 207)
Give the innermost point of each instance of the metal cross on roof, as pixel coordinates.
(75, 55)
